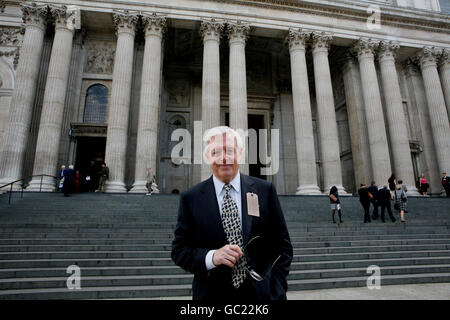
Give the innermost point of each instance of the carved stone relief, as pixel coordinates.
(178, 92)
(10, 43)
(100, 57)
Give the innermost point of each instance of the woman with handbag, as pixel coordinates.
(335, 203)
(400, 201)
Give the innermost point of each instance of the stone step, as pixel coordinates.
(96, 281)
(305, 241)
(74, 246)
(329, 283)
(362, 272)
(364, 263)
(123, 292)
(165, 253)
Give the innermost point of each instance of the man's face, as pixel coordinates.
(222, 156)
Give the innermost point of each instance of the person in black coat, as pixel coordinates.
(373, 189)
(69, 177)
(364, 198)
(392, 181)
(335, 203)
(384, 201)
(446, 183)
(230, 227)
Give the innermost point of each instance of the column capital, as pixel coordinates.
(211, 29)
(34, 15)
(125, 22)
(321, 41)
(154, 25)
(388, 50)
(63, 18)
(237, 31)
(297, 39)
(365, 48)
(428, 57)
(444, 59)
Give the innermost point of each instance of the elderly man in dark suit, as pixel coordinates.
(231, 233)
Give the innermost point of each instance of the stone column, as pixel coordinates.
(417, 94)
(119, 107)
(328, 132)
(378, 143)
(304, 137)
(15, 138)
(398, 132)
(147, 135)
(436, 106)
(210, 31)
(47, 146)
(357, 121)
(237, 35)
(444, 67)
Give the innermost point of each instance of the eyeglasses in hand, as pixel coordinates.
(252, 272)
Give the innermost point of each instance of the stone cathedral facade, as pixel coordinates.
(357, 89)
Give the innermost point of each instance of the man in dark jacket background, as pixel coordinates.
(384, 201)
(373, 189)
(364, 198)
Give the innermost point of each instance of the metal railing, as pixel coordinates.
(23, 180)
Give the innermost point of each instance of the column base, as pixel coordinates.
(341, 190)
(308, 190)
(141, 187)
(412, 191)
(48, 185)
(115, 187)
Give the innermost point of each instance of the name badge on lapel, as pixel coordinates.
(252, 204)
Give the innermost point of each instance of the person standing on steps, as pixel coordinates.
(364, 198)
(61, 177)
(400, 201)
(423, 185)
(230, 232)
(69, 179)
(103, 176)
(392, 182)
(373, 189)
(335, 203)
(384, 200)
(446, 183)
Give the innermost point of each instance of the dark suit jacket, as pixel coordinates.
(374, 191)
(199, 229)
(384, 196)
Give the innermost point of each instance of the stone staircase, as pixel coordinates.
(122, 244)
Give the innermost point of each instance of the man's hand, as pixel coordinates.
(227, 255)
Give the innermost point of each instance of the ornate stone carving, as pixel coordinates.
(365, 47)
(63, 18)
(388, 49)
(34, 15)
(125, 22)
(321, 40)
(2, 6)
(428, 57)
(211, 29)
(153, 24)
(444, 59)
(178, 92)
(297, 39)
(10, 37)
(237, 31)
(411, 68)
(100, 57)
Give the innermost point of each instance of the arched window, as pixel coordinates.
(96, 104)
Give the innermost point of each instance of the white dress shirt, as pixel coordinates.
(235, 193)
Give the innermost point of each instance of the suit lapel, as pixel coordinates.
(210, 202)
(246, 186)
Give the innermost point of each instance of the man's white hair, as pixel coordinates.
(71, 166)
(219, 131)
